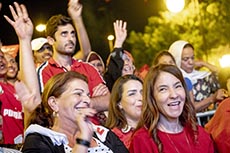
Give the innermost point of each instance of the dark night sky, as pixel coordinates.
(98, 16)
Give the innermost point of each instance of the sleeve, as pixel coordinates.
(43, 77)
(36, 143)
(188, 83)
(114, 67)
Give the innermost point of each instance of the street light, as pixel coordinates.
(41, 27)
(224, 61)
(110, 39)
(175, 6)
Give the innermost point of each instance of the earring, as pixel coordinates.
(55, 114)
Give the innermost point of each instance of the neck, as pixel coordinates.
(63, 60)
(12, 80)
(169, 126)
(69, 131)
(132, 123)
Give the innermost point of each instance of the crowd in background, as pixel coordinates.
(55, 100)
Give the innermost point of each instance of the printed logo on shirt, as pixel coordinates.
(11, 113)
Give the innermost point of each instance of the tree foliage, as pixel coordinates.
(205, 25)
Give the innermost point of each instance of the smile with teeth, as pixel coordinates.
(174, 103)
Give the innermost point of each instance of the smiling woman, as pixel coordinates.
(168, 122)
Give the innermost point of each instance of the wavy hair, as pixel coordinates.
(150, 112)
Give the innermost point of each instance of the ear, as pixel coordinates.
(50, 40)
(52, 101)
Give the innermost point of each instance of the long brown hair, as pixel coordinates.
(150, 111)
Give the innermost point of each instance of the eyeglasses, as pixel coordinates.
(48, 47)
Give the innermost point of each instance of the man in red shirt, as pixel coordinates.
(11, 109)
(61, 34)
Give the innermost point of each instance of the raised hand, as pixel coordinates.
(120, 33)
(74, 9)
(21, 21)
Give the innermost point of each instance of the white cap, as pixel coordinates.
(38, 43)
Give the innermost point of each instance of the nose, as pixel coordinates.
(86, 99)
(71, 37)
(191, 61)
(140, 96)
(9, 64)
(173, 93)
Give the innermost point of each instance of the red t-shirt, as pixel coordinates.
(219, 126)
(142, 142)
(51, 68)
(12, 116)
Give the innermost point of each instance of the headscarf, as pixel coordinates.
(176, 50)
(94, 56)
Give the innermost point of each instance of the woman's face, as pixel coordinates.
(128, 67)
(187, 59)
(98, 65)
(75, 97)
(169, 95)
(165, 59)
(131, 100)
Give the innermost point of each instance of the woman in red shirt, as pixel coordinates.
(168, 123)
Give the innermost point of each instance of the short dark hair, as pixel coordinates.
(54, 22)
(188, 45)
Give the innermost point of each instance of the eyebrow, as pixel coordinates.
(164, 85)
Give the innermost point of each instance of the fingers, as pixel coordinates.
(74, 4)
(9, 20)
(20, 11)
(119, 24)
(24, 11)
(14, 14)
(84, 113)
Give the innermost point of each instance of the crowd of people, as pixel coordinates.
(56, 102)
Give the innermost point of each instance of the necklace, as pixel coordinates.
(171, 141)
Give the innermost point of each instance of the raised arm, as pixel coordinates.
(75, 11)
(211, 67)
(24, 30)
